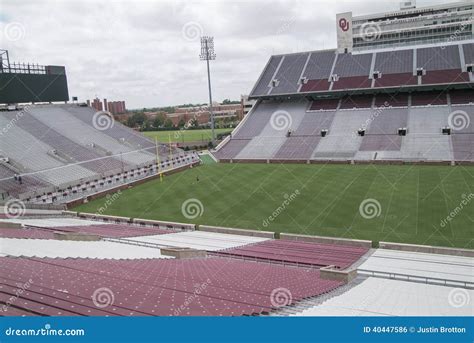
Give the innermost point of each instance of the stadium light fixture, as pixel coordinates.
(208, 54)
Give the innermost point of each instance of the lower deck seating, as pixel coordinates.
(336, 134)
(155, 287)
(301, 253)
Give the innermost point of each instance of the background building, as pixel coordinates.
(114, 107)
(246, 104)
(408, 26)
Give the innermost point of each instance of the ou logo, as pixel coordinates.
(344, 24)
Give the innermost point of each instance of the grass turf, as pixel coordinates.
(414, 200)
(181, 136)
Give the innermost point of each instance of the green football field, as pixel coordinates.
(431, 205)
(181, 136)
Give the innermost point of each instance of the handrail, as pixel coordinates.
(414, 278)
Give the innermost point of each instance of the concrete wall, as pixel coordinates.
(126, 220)
(427, 249)
(327, 240)
(242, 232)
(332, 273)
(125, 186)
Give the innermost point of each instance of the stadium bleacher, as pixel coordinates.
(58, 150)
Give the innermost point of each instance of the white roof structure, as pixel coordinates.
(386, 297)
(74, 249)
(53, 222)
(447, 267)
(210, 241)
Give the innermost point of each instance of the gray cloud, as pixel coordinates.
(135, 50)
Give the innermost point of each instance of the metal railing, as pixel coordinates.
(417, 278)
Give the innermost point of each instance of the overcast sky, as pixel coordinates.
(147, 52)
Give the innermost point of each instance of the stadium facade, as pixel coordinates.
(364, 103)
(408, 26)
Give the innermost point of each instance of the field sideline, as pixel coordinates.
(408, 204)
(182, 136)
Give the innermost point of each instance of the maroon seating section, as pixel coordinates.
(324, 104)
(315, 86)
(104, 230)
(428, 98)
(232, 148)
(381, 143)
(26, 233)
(357, 101)
(393, 100)
(352, 82)
(463, 146)
(199, 287)
(298, 148)
(298, 252)
(462, 96)
(445, 76)
(8, 183)
(396, 80)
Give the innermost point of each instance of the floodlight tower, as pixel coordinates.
(208, 54)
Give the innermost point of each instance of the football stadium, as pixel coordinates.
(347, 190)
